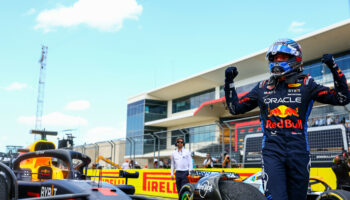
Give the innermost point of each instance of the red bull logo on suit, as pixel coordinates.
(283, 111)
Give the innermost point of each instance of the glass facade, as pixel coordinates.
(241, 89)
(321, 73)
(135, 126)
(137, 114)
(192, 101)
(155, 110)
(149, 143)
(204, 133)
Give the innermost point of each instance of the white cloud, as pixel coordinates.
(15, 86)
(29, 12)
(78, 105)
(104, 133)
(105, 15)
(55, 119)
(297, 27)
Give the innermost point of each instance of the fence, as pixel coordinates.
(113, 150)
(325, 143)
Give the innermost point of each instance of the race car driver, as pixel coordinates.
(285, 101)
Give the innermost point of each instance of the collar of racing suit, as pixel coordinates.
(290, 78)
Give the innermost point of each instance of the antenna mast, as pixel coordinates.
(41, 87)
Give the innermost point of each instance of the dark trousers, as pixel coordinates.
(285, 177)
(181, 179)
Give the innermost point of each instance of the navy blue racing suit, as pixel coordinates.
(284, 111)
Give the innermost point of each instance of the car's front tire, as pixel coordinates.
(334, 195)
(187, 191)
(232, 190)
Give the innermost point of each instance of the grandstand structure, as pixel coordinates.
(195, 108)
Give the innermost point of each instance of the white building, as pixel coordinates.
(196, 107)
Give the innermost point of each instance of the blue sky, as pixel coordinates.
(101, 52)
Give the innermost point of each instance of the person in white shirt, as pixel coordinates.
(181, 161)
(208, 162)
(126, 164)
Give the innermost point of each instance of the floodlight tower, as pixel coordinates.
(41, 87)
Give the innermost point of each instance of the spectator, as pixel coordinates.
(226, 162)
(146, 166)
(317, 122)
(166, 163)
(208, 162)
(136, 165)
(343, 120)
(330, 120)
(131, 164)
(125, 165)
(312, 123)
(341, 170)
(157, 164)
(347, 123)
(322, 121)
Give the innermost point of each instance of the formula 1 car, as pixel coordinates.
(219, 186)
(19, 183)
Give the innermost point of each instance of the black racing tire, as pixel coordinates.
(334, 195)
(187, 191)
(232, 190)
(4, 189)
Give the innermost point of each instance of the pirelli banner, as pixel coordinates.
(155, 182)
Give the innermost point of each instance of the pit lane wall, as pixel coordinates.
(157, 182)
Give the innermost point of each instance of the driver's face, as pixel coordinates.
(280, 57)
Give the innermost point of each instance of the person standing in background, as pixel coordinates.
(125, 165)
(181, 161)
(208, 162)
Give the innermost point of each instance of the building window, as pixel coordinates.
(155, 109)
(202, 133)
(241, 89)
(195, 134)
(321, 73)
(151, 143)
(192, 101)
(135, 125)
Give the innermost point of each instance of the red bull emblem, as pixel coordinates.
(45, 172)
(283, 111)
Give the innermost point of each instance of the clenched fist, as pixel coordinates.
(231, 73)
(328, 59)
